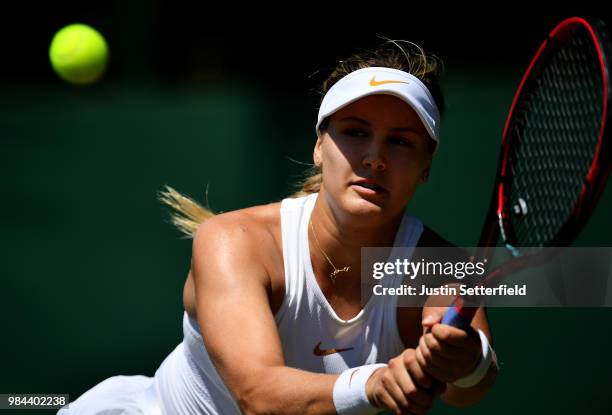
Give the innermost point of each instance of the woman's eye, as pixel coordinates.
(356, 132)
(400, 140)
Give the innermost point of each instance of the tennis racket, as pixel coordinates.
(555, 153)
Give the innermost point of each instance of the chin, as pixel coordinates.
(358, 205)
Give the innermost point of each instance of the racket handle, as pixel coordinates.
(458, 316)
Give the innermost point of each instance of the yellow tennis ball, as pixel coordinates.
(78, 53)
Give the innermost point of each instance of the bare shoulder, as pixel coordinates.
(247, 239)
(249, 236)
(251, 229)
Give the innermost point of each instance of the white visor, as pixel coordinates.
(370, 81)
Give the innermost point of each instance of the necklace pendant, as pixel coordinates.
(338, 271)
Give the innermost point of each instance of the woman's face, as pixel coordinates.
(379, 138)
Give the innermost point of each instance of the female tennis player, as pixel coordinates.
(273, 320)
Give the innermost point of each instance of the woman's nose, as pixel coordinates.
(374, 158)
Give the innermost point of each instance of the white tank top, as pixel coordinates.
(187, 382)
(307, 322)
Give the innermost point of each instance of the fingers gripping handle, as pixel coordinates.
(458, 316)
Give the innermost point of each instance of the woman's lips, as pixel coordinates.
(366, 188)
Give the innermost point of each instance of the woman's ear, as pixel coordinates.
(424, 175)
(316, 154)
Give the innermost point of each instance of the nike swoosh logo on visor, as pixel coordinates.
(374, 82)
(325, 352)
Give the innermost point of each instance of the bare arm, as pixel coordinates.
(445, 353)
(430, 346)
(461, 397)
(238, 326)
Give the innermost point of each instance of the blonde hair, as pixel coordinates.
(406, 56)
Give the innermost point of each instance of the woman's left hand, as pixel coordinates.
(445, 352)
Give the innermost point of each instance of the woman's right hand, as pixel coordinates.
(403, 387)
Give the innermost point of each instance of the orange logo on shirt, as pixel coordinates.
(325, 352)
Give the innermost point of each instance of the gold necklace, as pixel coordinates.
(336, 271)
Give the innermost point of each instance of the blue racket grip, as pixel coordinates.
(453, 318)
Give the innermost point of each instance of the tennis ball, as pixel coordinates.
(78, 53)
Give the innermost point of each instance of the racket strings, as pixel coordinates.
(556, 127)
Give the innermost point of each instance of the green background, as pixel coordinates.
(92, 272)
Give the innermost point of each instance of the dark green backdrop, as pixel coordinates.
(92, 273)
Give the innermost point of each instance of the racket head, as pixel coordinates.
(556, 153)
(555, 156)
